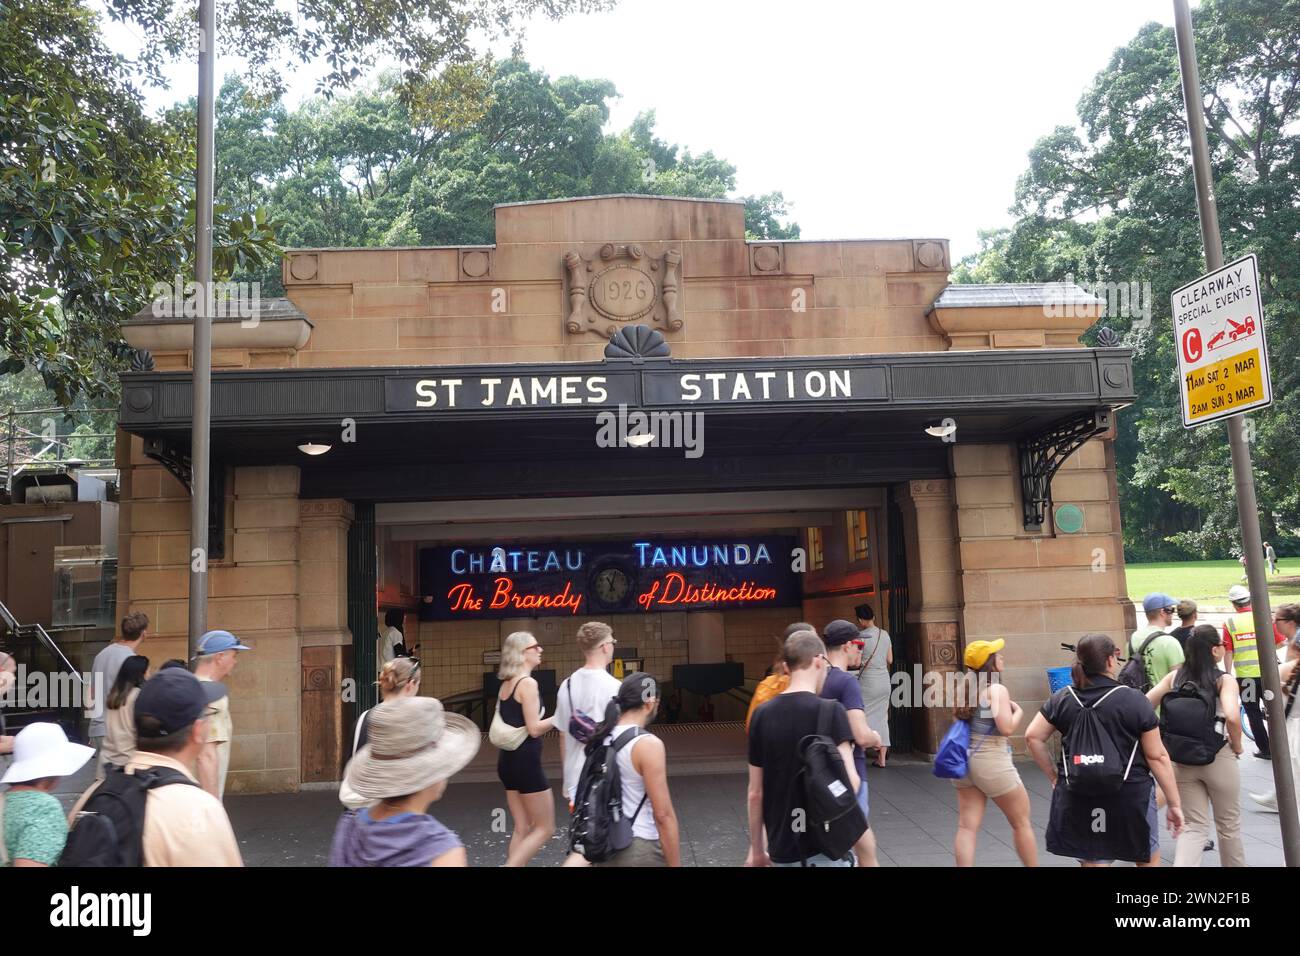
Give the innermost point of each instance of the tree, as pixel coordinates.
(1114, 201)
(433, 41)
(364, 170)
(96, 197)
(94, 202)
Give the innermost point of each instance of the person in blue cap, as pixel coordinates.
(215, 661)
(1154, 644)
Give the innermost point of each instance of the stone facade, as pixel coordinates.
(681, 266)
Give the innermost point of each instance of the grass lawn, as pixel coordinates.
(1207, 582)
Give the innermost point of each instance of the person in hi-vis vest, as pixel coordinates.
(1243, 654)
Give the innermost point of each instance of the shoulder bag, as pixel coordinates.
(504, 736)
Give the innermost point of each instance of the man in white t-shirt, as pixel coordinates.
(586, 691)
(390, 637)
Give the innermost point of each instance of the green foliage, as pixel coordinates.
(48, 433)
(440, 75)
(1114, 201)
(364, 170)
(95, 205)
(96, 197)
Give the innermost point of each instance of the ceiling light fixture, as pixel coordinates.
(640, 441)
(941, 429)
(314, 448)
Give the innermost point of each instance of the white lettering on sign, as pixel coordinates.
(746, 386)
(523, 391)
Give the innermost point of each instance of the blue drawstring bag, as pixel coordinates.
(953, 760)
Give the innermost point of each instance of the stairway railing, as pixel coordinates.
(66, 713)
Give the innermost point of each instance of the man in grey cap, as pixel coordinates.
(1159, 650)
(215, 662)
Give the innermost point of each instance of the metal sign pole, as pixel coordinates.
(1243, 474)
(202, 331)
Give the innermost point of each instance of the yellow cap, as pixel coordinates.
(978, 652)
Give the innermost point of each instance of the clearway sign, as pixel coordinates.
(1219, 339)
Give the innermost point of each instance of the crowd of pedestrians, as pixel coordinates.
(160, 744)
(1156, 740)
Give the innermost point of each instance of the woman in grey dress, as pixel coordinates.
(873, 677)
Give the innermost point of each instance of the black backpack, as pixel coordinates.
(835, 821)
(599, 828)
(1188, 725)
(109, 829)
(1134, 672)
(1090, 762)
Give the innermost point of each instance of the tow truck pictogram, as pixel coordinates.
(1239, 330)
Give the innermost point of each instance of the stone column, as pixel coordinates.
(934, 596)
(251, 592)
(324, 637)
(1036, 590)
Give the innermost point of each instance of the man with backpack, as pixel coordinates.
(844, 652)
(153, 812)
(581, 699)
(802, 781)
(1158, 651)
(580, 705)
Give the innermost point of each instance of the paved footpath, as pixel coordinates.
(914, 815)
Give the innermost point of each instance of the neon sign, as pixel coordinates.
(462, 597)
(672, 589)
(505, 579)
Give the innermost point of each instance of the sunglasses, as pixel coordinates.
(533, 647)
(858, 644)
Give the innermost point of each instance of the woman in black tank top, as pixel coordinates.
(528, 792)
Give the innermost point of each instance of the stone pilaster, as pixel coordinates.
(324, 637)
(934, 594)
(1037, 590)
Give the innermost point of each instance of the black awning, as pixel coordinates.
(441, 431)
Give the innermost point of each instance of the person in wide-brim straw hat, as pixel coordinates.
(414, 748)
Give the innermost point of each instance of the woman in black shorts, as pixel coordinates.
(528, 792)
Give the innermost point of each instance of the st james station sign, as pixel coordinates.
(753, 385)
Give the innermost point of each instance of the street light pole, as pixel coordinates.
(1242, 471)
(202, 380)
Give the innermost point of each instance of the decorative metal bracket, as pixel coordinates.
(177, 461)
(174, 459)
(1042, 455)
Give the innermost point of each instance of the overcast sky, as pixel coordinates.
(876, 119)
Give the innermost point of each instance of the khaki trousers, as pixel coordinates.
(1217, 784)
(641, 852)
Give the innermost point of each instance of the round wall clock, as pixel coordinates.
(610, 586)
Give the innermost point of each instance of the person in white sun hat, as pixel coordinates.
(32, 825)
(415, 747)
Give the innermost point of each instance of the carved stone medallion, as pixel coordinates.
(621, 284)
